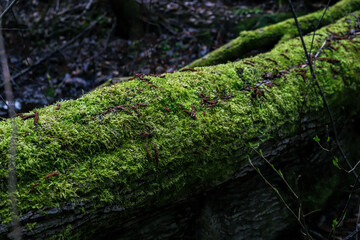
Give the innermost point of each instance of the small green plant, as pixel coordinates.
(334, 224)
(336, 162)
(30, 226)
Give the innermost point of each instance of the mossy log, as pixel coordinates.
(92, 164)
(267, 37)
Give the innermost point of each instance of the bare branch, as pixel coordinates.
(16, 233)
(312, 41)
(8, 9)
(277, 172)
(277, 193)
(313, 77)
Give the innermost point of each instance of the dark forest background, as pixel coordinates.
(62, 49)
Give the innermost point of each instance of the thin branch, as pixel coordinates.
(24, 71)
(277, 192)
(88, 5)
(298, 217)
(312, 212)
(57, 5)
(21, 35)
(357, 223)
(7, 9)
(354, 233)
(301, 37)
(324, 149)
(301, 216)
(4, 101)
(109, 36)
(312, 41)
(277, 172)
(346, 204)
(319, 88)
(321, 48)
(16, 233)
(352, 168)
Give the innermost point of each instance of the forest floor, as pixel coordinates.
(60, 50)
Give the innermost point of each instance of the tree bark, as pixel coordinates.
(116, 157)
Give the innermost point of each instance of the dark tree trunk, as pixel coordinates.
(128, 21)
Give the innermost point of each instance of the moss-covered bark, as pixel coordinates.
(277, 33)
(97, 154)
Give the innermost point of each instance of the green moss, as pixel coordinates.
(270, 35)
(101, 158)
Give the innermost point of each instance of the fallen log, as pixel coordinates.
(267, 37)
(91, 168)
